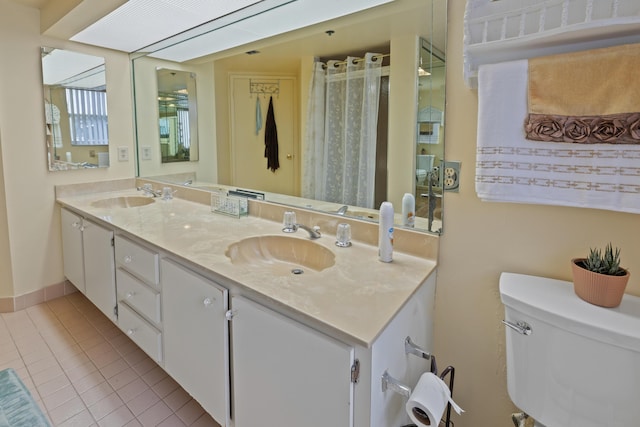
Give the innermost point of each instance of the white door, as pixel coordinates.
(99, 262)
(72, 251)
(285, 374)
(249, 165)
(195, 333)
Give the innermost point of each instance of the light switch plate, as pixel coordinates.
(123, 154)
(146, 152)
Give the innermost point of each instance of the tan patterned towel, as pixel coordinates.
(586, 97)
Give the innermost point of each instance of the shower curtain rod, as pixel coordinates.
(355, 61)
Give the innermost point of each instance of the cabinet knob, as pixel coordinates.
(208, 301)
(129, 295)
(130, 331)
(127, 259)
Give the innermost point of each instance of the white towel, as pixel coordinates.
(510, 168)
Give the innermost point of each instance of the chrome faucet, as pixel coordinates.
(148, 190)
(342, 210)
(314, 232)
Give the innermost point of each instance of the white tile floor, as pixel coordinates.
(83, 371)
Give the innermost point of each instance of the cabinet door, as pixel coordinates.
(72, 251)
(99, 267)
(195, 333)
(285, 374)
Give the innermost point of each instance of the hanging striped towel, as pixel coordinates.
(510, 168)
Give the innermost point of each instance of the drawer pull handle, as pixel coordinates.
(130, 295)
(130, 332)
(208, 301)
(128, 259)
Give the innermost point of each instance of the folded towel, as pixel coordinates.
(510, 168)
(588, 83)
(585, 97)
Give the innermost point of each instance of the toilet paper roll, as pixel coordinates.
(428, 401)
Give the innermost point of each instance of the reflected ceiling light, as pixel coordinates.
(422, 72)
(139, 23)
(150, 25)
(274, 19)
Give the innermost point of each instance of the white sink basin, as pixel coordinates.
(123, 202)
(280, 252)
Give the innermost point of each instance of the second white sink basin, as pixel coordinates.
(280, 251)
(123, 202)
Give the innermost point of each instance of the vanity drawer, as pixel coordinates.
(148, 338)
(140, 261)
(138, 295)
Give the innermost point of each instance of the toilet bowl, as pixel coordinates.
(570, 363)
(424, 164)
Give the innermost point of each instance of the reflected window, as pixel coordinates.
(87, 116)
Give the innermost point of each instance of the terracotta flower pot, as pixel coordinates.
(598, 289)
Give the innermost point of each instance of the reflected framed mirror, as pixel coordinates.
(177, 115)
(430, 133)
(395, 31)
(75, 108)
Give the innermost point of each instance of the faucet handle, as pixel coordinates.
(316, 229)
(289, 224)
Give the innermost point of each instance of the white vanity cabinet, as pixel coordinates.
(286, 374)
(89, 260)
(139, 297)
(196, 336)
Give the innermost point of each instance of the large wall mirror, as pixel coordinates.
(238, 87)
(75, 107)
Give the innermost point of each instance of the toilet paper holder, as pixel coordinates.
(390, 383)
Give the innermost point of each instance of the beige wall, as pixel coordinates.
(31, 257)
(483, 239)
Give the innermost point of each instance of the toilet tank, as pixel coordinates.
(425, 161)
(580, 364)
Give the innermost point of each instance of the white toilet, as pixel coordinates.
(424, 164)
(570, 363)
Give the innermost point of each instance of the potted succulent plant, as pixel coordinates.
(599, 279)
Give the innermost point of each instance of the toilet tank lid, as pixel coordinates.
(554, 301)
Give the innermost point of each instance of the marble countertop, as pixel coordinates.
(353, 300)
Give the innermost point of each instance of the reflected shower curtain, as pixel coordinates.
(340, 141)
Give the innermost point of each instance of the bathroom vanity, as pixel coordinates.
(253, 343)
